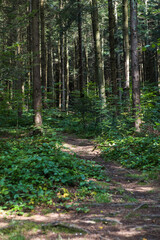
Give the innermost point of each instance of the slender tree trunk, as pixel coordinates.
(49, 71)
(86, 66)
(43, 54)
(134, 64)
(118, 55)
(67, 72)
(80, 50)
(112, 52)
(126, 49)
(29, 49)
(37, 98)
(74, 67)
(98, 54)
(62, 73)
(59, 76)
(19, 83)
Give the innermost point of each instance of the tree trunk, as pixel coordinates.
(67, 72)
(49, 72)
(74, 66)
(80, 50)
(43, 54)
(29, 49)
(134, 64)
(62, 73)
(59, 76)
(112, 53)
(98, 54)
(37, 98)
(126, 49)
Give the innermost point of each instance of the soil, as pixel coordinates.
(133, 213)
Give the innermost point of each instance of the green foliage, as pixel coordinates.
(150, 101)
(103, 197)
(120, 143)
(84, 115)
(135, 152)
(33, 169)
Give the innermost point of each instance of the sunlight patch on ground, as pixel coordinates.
(47, 218)
(66, 145)
(3, 224)
(127, 233)
(140, 189)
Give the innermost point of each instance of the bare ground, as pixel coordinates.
(133, 213)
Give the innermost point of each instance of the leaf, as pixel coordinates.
(144, 49)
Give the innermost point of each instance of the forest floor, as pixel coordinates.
(133, 213)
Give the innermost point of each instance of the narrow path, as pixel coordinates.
(132, 214)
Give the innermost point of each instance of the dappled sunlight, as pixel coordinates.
(140, 189)
(132, 232)
(44, 218)
(3, 224)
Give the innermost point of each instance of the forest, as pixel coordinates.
(76, 75)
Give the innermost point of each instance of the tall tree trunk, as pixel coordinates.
(43, 54)
(37, 97)
(86, 66)
(62, 73)
(134, 64)
(126, 49)
(98, 54)
(19, 83)
(80, 49)
(59, 76)
(112, 52)
(74, 66)
(67, 72)
(49, 72)
(118, 55)
(29, 49)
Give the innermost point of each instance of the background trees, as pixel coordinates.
(55, 49)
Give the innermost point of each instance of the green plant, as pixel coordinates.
(82, 209)
(34, 169)
(103, 198)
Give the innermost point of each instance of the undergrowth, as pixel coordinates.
(33, 169)
(134, 152)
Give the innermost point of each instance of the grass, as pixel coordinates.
(21, 230)
(17, 230)
(103, 198)
(129, 198)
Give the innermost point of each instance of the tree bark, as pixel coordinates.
(112, 52)
(126, 49)
(80, 50)
(98, 54)
(37, 97)
(43, 54)
(134, 64)
(67, 72)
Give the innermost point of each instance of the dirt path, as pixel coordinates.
(133, 213)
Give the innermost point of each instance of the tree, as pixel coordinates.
(126, 48)
(112, 53)
(134, 66)
(43, 52)
(80, 46)
(37, 97)
(98, 54)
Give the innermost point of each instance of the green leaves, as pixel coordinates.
(32, 167)
(135, 152)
